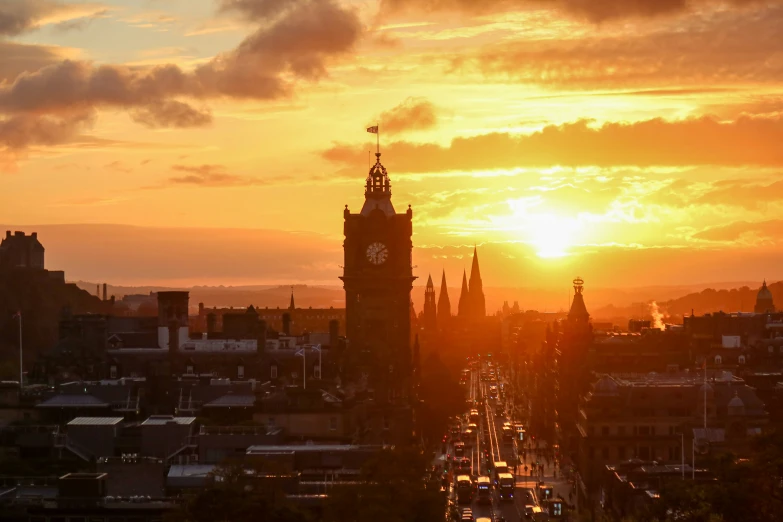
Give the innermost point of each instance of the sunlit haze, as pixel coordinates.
(218, 141)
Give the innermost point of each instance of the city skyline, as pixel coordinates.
(603, 141)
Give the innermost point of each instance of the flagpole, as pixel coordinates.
(378, 139)
(304, 368)
(21, 371)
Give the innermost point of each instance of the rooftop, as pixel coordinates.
(95, 421)
(72, 401)
(161, 420)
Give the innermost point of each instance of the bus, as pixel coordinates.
(464, 489)
(459, 449)
(464, 465)
(506, 484)
(499, 410)
(499, 468)
(474, 416)
(484, 490)
(508, 434)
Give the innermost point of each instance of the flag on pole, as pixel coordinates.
(316, 347)
(373, 129)
(18, 314)
(300, 353)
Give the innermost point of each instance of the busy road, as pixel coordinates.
(490, 457)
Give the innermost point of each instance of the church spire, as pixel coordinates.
(291, 306)
(478, 307)
(444, 304)
(464, 298)
(430, 312)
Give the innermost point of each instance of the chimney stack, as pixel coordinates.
(98, 291)
(261, 346)
(287, 323)
(334, 332)
(104, 291)
(211, 321)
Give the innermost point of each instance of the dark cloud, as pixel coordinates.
(26, 130)
(18, 58)
(295, 42)
(698, 141)
(592, 10)
(18, 16)
(411, 115)
(171, 113)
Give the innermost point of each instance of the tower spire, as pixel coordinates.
(291, 305)
(478, 307)
(444, 304)
(463, 309)
(430, 312)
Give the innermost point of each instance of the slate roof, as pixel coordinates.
(72, 401)
(161, 420)
(95, 421)
(229, 400)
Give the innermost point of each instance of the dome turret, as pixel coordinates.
(764, 303)
(736, 406)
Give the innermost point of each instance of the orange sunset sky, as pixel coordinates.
(632, 142)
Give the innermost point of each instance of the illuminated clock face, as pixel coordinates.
(377, 253)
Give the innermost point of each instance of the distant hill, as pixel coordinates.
(41, 300)
(741, 299)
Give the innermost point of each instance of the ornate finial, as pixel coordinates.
(578, 284)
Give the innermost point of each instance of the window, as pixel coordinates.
(271, 422)
(621, 452)
(385, 422)
(273, 371)
(672, 453)
(332, 423)
(189, 369)
(605, 453)
(605, 430)
(741, 359)
(240, 372)
(113, 372)
(718, 359)
(621, 430)
(592, 453)
(644, 452)
(317, 371)
(643, 430)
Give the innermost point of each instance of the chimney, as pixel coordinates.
(98, 291)
(112, 300)
(34, 235)
(211, 321)
(173, 336)
(7, 234)
(287, 323)
(261, 336)
(104, 291)
(334, 332)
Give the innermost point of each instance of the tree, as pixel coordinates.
(398, 485)
(239, 494)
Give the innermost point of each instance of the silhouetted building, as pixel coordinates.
(764, 302)
(378, 279)
(21, 251)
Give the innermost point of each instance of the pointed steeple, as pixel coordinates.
(444, 304)
(291, 306)
(464, 298)
(430, 311)
(478, 307)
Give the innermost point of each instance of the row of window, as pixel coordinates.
(640, 452)
(635, 430)
(190, 370)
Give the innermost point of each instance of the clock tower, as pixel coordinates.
(378, 278)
